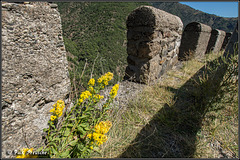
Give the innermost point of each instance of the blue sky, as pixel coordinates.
(222, 9)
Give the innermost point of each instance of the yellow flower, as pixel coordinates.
(105, 83)
(60, 102)
(90, 89)
(113, 92)
(100, 129)
(97, 97)
(83, 96)
(57, 110)
(91, 82)
(105, 79)
(91, 147)
(53, 117)
(52, 110)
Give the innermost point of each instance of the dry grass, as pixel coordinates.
(174, 119)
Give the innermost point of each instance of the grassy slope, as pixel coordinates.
(96, 31)
(182, 116)
(149, 126)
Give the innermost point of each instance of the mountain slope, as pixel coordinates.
(96, 31)
(188, 14)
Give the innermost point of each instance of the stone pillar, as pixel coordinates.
(153, 43)
(232, 46)
(194, 41)
(216, 41)
(34, 72)
(226, 39)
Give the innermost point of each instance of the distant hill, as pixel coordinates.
(188, 14)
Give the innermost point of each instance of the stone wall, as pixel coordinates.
(194, 41)
(226, 39)
(153, 43)
(216, 41)
(34, 71)
(232, 46)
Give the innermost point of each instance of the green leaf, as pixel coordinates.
(67, 132)
(80, 146)
(53, 134)
(47, 149)
(81, 130)
(52, 144)
(97, 149)
(52, 125)
(56, 139)
(83, 116)
(45, 129)
(70, 125)
(83, 125)
(39, 149)
(54, 151)
(64, 154)
(73, 143)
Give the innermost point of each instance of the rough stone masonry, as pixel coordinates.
(226, 40)
(232, 46)
(34, 71)
(194, 41)
(216, 41)
(153, 43)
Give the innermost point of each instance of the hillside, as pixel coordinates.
(188, 14)
(96, 32)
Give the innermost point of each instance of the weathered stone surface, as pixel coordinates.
(226, 40)
(153, 35)
(34, 72)
(194, 41)
(232, 46)
(154, 18)
(216, 41)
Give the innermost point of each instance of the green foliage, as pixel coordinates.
(95, 32)
(82, 130)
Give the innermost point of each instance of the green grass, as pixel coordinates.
(188, 114)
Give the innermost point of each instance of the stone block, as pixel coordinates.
(226, 39)
(194, 41)
(232, 46)
(153, 35)
(35, 72)
(148, 49)
(216, 41)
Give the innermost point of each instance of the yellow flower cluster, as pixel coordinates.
(105, 79)
(84, 96)
(97, 97)
(57, 110)
(90, 89)
(26, 153)
(100, 129)
(91, 82)
(114, 91)
(103, 127)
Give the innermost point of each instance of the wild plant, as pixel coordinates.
(84, 127)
